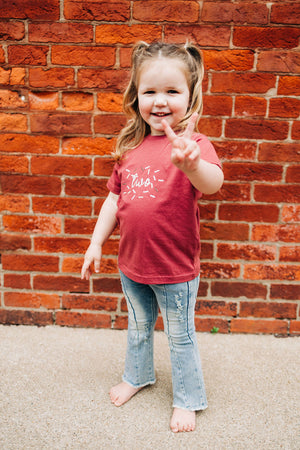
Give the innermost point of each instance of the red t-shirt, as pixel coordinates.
(158, 213)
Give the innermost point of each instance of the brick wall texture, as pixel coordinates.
(64, 66)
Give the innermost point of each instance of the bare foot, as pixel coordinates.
(183, 420)
(121, 393)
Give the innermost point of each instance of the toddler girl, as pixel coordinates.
(162, 169)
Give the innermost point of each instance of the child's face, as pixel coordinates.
(163, 93)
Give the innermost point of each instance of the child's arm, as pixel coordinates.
(186, 155)
(104, 227)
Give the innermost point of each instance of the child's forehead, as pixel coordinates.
(162, 62)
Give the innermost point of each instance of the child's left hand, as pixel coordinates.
(185, 152)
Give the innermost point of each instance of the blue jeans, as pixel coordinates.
(177, 304)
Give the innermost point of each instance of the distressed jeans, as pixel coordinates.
(177, 304)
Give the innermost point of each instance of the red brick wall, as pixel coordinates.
(64, 65)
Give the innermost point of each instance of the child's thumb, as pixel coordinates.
(97, 265)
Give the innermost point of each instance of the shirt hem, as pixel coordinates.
(172, 279)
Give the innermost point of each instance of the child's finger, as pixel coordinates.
(169, 132)
(190, 126)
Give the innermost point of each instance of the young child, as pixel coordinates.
(162, 169)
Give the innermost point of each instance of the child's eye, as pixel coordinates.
(149, 92)
(172, 91)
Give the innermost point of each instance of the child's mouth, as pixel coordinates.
(161, 114)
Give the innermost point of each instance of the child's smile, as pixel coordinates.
(163, 93)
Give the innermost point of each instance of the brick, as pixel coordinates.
(210, 127)
(57, 77)
(124, 34)
(92, 302)
(87, 187)
(269, 37)
(13, 242)
(43, 101)
(87, 146)
(32, 224)
(272, 130)
(206, 325)
(202, 35)
(19, 317)
(121, 323)
(278, 151)
(61, 124)
(239, 12)
(14, 164)
(219, 270)
(274, 233)
(125, 57)
(103, 166)
(2, 55)
(279, 61)
(59, 165)
(243, 83)
(295, 328)
(13, 122)
(290, 213)
(79, 226)
(228, 59)
(14, 76)
(72, 265)
(16, 281)
(77, 101)
(30, 9)
(104, 284)
(268, 309)
(293, 174)
(107, 79)
(277, 193)
(238, 289)
(284, 107)
(259, 326)
(109, 123)
(296, 130)
(34, 55)
(207, 251)
(28, 263)
(60, 245)
(66, 206)
(246, 252)
(31, 300)
(82, 320)
(288, 84)
(207, 211)
(25, 184)
(21, 143)
(252, 172)
(225, 231)
(271, 272)
(110, 102)
(203, 289)
(60, 32)
(83, 55)
(286, 13)
(11, 99)
(235, 150)
(169, 11)
(12, 31)
(246, 106)
(112, 10)
(285, 291)
(215, 308)
(249, 213)
(59, 283)
(217, 105)
(233, 192)
(289, 254)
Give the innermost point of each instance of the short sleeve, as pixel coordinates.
(208, 152)
(114, 182)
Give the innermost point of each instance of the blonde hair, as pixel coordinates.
(136, 128)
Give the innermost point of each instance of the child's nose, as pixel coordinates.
(160, 100)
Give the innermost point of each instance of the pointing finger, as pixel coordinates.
(190, 126)
(168, 130)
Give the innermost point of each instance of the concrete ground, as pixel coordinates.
(55, 382)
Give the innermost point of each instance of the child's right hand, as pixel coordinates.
(92, 255)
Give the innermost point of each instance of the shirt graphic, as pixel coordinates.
(142, 183)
